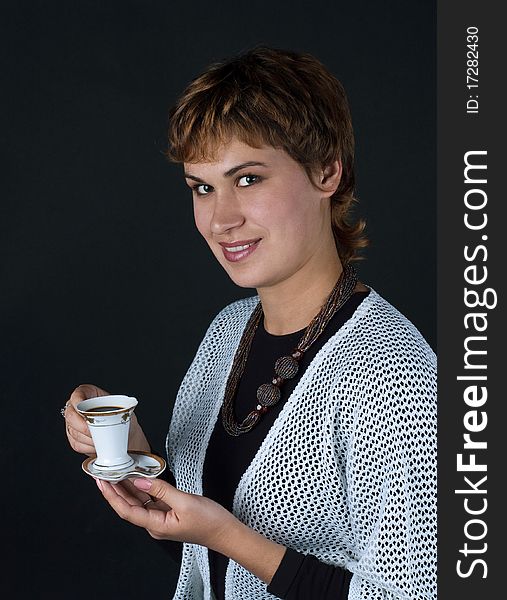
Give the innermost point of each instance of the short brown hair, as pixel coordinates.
(279, 98)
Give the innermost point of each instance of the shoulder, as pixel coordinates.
(232, 319)
(238, 311)
(216, 349)
(387, 334)
(380, 354)
(390, 379)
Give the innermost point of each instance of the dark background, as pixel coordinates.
(104, 278)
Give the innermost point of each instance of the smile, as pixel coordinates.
(238, 248)
(239, 252)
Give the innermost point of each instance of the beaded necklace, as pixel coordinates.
(286, 367)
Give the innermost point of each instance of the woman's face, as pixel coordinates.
(263, 199)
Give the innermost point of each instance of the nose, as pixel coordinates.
(226, 214)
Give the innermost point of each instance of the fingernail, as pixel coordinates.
(142, 484)
(99, 484)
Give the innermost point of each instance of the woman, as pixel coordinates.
(303, 436)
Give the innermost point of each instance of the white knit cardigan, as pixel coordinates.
(347, 471)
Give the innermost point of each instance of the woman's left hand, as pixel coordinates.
(173, 514)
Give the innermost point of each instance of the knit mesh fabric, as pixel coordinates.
(347, 472)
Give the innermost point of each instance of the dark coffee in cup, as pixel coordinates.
(100, 409)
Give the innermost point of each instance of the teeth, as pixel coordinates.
(239, 248)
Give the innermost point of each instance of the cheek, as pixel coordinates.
(292, 216)
(202, 220)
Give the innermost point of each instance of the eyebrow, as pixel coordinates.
(232, 171)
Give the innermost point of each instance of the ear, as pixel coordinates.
(330, 176)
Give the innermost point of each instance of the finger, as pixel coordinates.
(131, 494)
(143, 497)
(131, 489)
(78, 442)
(151, 519)
(84, 391)
(76, 421)
(79, 437)
(128, 492)
(82, 448)
(160, 489)
(72, 416)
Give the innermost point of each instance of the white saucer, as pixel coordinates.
(145, 465)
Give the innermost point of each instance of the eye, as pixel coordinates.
(196, 189)
(248, 178)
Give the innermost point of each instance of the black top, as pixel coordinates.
(228, 457)
(298, 576)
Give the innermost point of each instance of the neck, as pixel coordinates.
(293, 303)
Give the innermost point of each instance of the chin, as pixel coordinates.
(251, 279)
(244, 281)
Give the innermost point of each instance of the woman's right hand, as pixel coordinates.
(77, 430)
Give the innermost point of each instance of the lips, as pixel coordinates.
(239, 249)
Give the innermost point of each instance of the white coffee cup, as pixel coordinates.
(108, 418)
